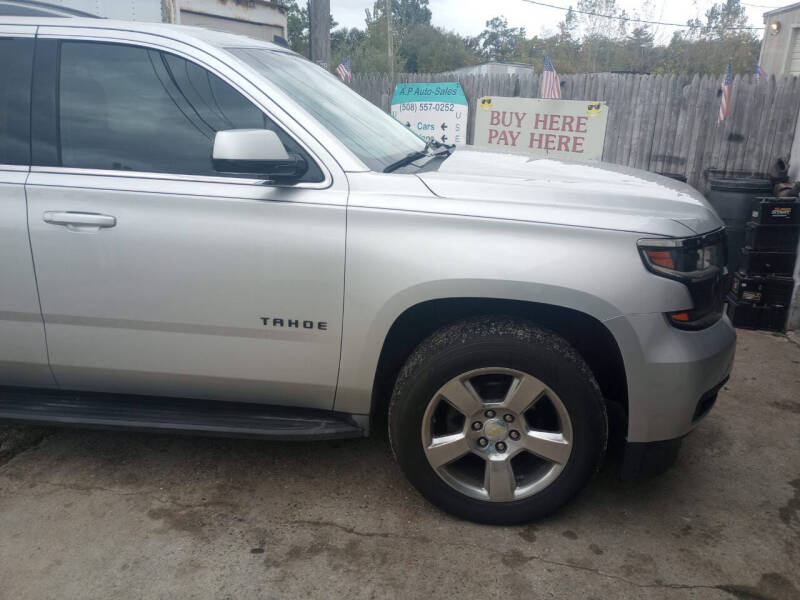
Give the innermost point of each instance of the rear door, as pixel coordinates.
(157, 275)
(23, 350)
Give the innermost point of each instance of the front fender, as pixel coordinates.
(360, 360)
(397, 259)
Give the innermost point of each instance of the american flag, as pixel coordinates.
(759, 72)
(344, 70)
(725, 95)
(551, 86)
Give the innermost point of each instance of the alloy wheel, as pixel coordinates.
(497, 434)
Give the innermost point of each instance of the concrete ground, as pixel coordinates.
(87, 514)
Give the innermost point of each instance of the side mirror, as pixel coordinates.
(256, 152)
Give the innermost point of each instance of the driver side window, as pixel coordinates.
(135, 109)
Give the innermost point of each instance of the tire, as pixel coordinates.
(480, 355)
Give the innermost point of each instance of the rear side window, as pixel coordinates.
(16, 65)
(134, 109)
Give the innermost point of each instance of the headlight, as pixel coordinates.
(685, 258)
(699, 263)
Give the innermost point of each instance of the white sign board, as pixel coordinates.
(435, 111)
(555, 128)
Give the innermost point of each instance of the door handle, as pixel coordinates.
(79, 221)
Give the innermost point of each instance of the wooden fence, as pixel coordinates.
(662, 123)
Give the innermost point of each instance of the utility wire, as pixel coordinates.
(633, 20)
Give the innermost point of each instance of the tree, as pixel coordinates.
(722, 19)
(428, 49)
(298, 26)
(710, 55)
(406, 14)
(498, 42)
(595, 26)
(567, 29)
(707, 47)
(639, 49)
(409, 14)
(345, 42)
(580, 44)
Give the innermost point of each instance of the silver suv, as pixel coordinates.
(205, 233)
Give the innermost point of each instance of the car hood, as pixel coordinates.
(584, 194)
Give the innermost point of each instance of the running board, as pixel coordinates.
(176, 415)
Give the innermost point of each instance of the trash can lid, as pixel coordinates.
(740, 184)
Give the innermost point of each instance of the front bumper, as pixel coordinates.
(672, 374)
(641, 460)
(647, 459)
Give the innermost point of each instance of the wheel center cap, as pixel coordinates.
(495, 430)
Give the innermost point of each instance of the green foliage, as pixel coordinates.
(580, 43)
(708, 46)
(297, 26)
(406, 14)
(499, 41)
(427, 49)
(721, 19)
(710, 55)
(595, 26)
(569, 26)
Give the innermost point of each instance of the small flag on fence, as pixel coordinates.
(344, 70)
(725, 95)
(759, 72)
(551, 86)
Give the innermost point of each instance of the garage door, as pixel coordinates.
(259, 31)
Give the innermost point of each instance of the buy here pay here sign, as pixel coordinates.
(555, 128)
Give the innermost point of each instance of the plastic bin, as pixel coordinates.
(732, 197)
(775, 211)
(752, 262)
(769, 290)
(750, 316)
(771, 238)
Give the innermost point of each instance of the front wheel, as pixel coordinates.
(497, 421)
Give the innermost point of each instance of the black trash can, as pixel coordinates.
(732, 198)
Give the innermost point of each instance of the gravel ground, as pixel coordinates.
(88, 514)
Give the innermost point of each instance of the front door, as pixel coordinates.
(157, 275)
(23, 350)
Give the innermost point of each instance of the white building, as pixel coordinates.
(497, 68)
(260, 19)
(780, 48)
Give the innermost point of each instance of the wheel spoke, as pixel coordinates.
(499, 480)
(462, 396)
(447, 448)
(523, 393)
(548, 445)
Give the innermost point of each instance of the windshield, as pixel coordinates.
(376, 138)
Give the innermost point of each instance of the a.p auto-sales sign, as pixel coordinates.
(432, 110)
(556, 128)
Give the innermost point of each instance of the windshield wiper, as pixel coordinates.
(411, 157)
(406, 160)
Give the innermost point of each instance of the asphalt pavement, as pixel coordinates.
(109, 515)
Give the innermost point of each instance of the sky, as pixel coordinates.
(468, 17)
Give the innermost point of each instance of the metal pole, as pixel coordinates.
(390, 49)
(320, 17)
